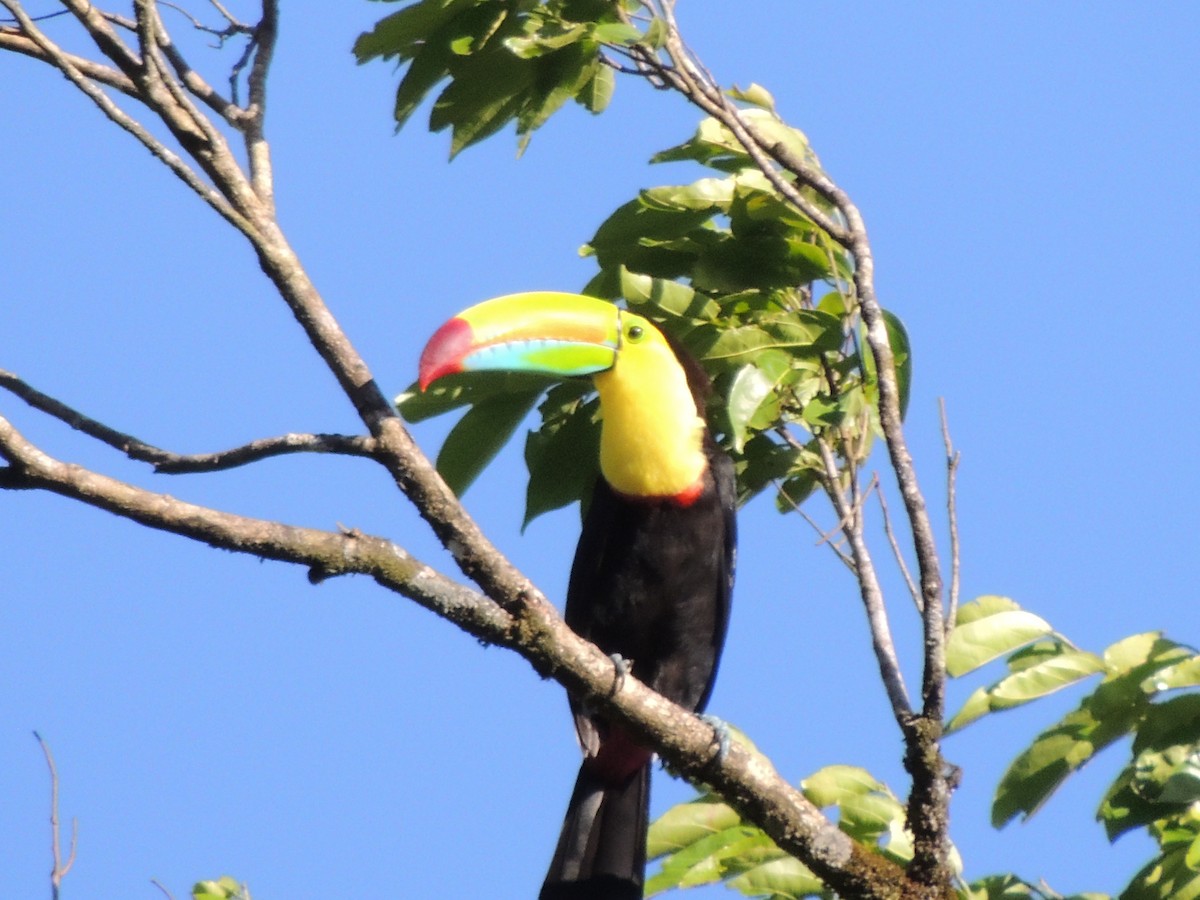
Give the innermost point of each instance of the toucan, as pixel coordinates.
(653, 572)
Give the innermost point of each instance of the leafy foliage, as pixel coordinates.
(730, 269)
(1159, 789)
(704, 841)
(516, 61)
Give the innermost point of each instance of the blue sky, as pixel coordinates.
(1028, 174)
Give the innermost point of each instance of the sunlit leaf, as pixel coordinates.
(684, 824)
(785, 878)
(1185, 673)
(978, 642)
(1108, 713)
(754, 93)
(834, 784)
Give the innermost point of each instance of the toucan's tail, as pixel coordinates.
(601, 852)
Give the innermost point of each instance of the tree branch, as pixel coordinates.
(952, 460)
(746, 779)
(58, 868)
(513, 613)
(165, 461)
(929, 799)
(870, 591)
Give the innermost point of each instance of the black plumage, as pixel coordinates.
(651, 581)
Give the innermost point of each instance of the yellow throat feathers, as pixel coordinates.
(650, 434)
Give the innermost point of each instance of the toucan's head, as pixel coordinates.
(542, 331)
(651, 405)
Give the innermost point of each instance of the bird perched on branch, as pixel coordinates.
(653, 571)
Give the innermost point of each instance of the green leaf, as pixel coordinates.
(598, 92)
(685, 824)
(902, 356)
(705, 861)
(616, 33)
(488, 91)
(400, 33)
(751, 388)
(1185, 673)
(1167, 877)
(1029, 682)
(1069, 667)
(464, 389)
(835, 784)
(562, 456)
(803, 331)
(762, 461)
(976, 707)
(479, 435)
(982, 607)
(224, 888)
(785, 878)
(668, 296)
(1111, 711)
(978, 642)
(755, 94)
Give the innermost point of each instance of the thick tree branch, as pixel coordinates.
(747, 780)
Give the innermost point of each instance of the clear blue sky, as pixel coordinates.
(1028, 173)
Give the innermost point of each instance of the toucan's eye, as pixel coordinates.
(635, 332)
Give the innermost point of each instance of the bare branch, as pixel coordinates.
(265, 35)
(59, 868)
(896, 551)
(329, 552)
(13, 39)
(63, 62)
(745, 778)
(870, 591)
(165, 461)
(952, 460)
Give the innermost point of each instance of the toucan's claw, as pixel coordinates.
(621, 666)
(720, 734)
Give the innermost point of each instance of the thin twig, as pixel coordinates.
(158, 884)
(63, 62)
(891, 536)
(59, 869)
(823, 536)
(952, 460)
(165, 461)
(871, 593)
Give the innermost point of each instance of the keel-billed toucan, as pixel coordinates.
(653, 570)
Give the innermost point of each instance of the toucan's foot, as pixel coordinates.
(622, 666)
(721, 733)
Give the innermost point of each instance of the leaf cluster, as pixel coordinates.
(1147, 691)
(755, 290)
(704, 841)
(513, 61)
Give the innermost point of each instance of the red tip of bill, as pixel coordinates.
(444, 353)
